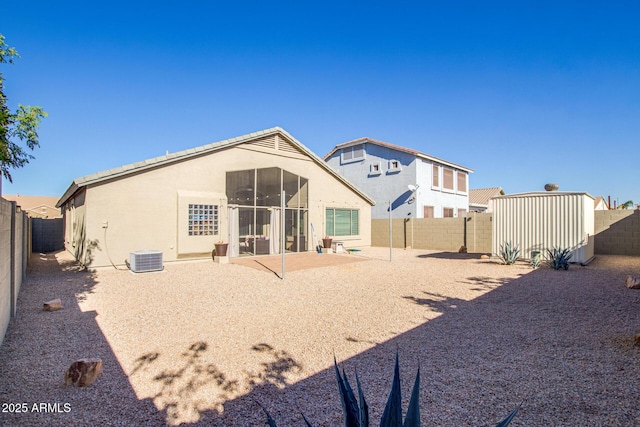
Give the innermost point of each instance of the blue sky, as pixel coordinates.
(524, 92)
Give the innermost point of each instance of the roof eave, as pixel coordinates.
(366, 140)
(198, 151)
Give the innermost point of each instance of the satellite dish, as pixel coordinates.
(412, 187)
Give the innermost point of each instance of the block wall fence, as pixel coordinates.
(617, 232)
(15, 249)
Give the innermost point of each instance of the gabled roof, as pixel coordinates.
(179, 156)
(600, 199)
(481, 196)
(32, 203)
(367, 140)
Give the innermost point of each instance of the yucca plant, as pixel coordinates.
(559, 258)
(356, 411)
(509, 253)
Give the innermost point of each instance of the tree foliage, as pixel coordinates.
(16, 127)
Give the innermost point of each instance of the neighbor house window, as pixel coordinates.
(353, 154)
(394, 166)
(447, 212)
(203, 220)
(447, 179)
(428, 212)
(374, 169)
(462, 182)
(341, 222)
(462, 213)
(436, 176)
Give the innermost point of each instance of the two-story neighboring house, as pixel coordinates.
(415, 184)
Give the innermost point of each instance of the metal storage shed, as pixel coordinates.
(538, 221)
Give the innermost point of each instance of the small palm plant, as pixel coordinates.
(509, 253)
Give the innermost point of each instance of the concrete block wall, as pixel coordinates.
(617, 232)
(445, 234)
(14, 254)
(6, 294)
(479, 232)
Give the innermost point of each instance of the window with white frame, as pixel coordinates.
(462, 213)
(462, 182)
(353, 154)
(394, 166)
(341, 222)
(375, 169)
(203, 220)
(447, 179)
(428, 212)
(447, 212)
(436, 176)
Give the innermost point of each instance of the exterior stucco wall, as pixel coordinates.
(141, 211)
(393, 185)
(75, 228)
(385, 185)
(438, 197)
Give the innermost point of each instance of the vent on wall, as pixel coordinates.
(143, 261)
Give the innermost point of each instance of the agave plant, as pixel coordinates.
(559, 258)
(509, 253)
(536, 258)
(356, 411)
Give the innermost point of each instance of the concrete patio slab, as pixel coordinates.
(296, 261)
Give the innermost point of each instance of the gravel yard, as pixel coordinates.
(201, 343)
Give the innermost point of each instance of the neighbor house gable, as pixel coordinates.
(36, 206)
(366, 140)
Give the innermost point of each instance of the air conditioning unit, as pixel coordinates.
(143, 261)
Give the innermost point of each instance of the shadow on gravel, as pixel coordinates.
(182, 387)
(437, 303)
(451, 255)
(39, 347)
(548, 338)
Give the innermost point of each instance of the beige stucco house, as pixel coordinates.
(36, 206)
(183, 203)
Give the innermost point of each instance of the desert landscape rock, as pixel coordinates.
(632, 283)
(53, 305)
(83, 372)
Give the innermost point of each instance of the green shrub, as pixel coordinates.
(536, 258)
(559, 258)
(509, 253)
(356, 411)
